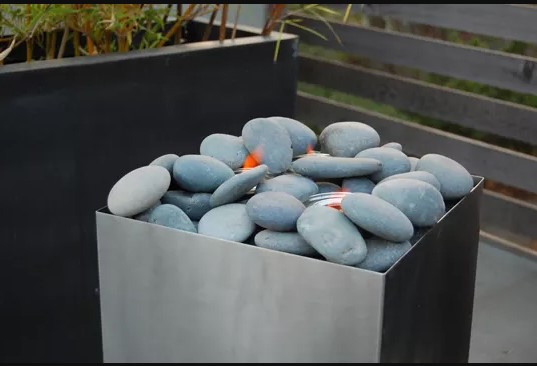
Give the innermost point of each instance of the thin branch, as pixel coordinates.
(179, 30)
(176, 26)
(273, 19)
(167, 14)
(267, 22)
(6, 52)
(294, 24)
(209, 26)
(51, 50)
(63, 42)
(39, 18)
(222, 36)
(83, 51)
(277, 50)
(107, 41)
(29, 42)
(300, 10)
(327, 24)
(76, 43)
(29, 49)
(347, 13)
(234, 33)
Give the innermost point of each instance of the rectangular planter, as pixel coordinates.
(70, 128)
(173, 296)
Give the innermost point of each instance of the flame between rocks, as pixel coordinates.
(337, 205)
(253, 159)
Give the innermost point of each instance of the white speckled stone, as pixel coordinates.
(138, 190)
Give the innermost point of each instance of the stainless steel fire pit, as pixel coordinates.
(173, 296)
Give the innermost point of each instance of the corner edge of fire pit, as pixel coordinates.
(437, 280)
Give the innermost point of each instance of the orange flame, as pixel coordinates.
(253, 159)
(337, 206)
(309, 149)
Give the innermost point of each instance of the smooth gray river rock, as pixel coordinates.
(276, 211)
(296, 185)
(332, 234)
(200, 173)
(171, 216)
(455, 181)
(382, 254)
(289, 242)
(325, 167)
(302, 137)
(138, 190)
(393, 161)
(269, 142)
(236, 187)
(346, 139)
(377, 217)
(228, 149)
(195, 205)
(229, 222)
(421, 202)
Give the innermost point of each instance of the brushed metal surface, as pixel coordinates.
(172, 296)
(429, 294)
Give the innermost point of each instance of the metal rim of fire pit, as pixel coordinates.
(311, 153)
(332, 199)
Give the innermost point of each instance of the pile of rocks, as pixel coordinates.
(285, 200)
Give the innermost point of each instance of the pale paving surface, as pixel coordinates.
(505, 308)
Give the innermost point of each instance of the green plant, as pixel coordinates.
(91, 29)
(280, 15)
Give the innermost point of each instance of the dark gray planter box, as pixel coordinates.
(69, 129)
(173, 296)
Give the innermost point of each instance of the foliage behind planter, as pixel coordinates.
(51, 31)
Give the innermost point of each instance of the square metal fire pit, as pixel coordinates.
(173, 296)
